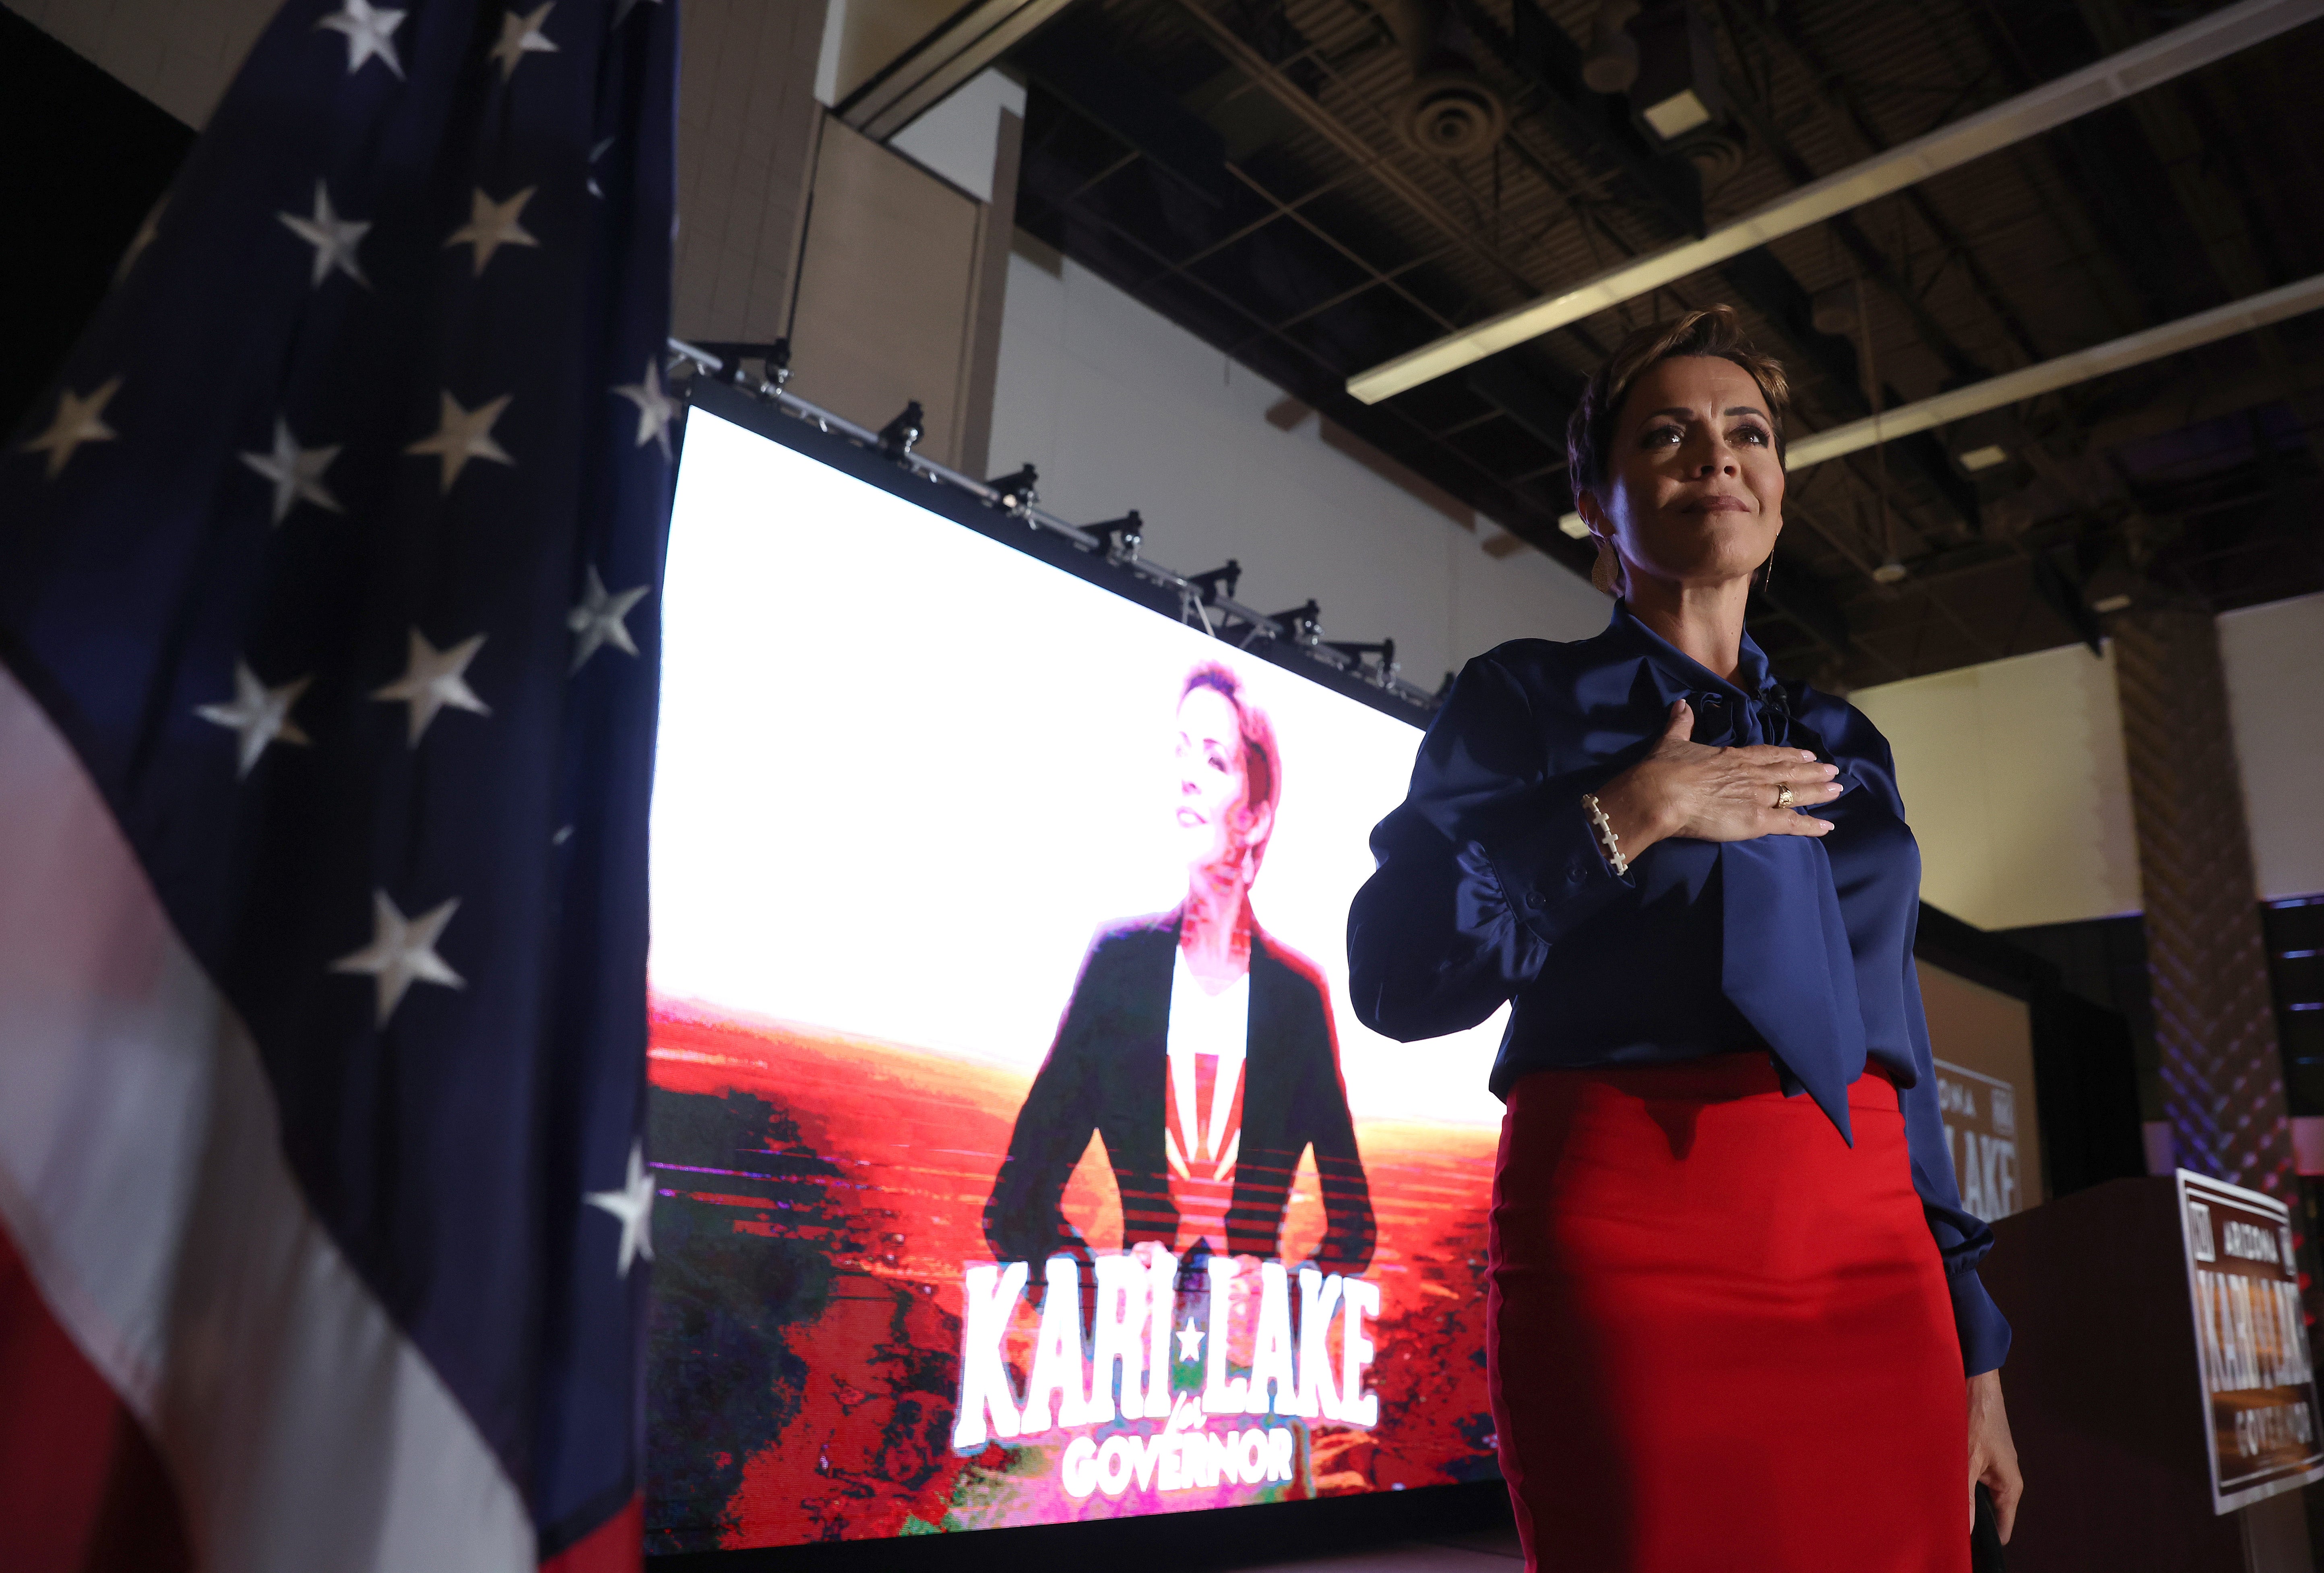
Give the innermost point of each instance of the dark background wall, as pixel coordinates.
(82, 161)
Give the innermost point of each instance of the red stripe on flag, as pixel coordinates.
(82, 1489)
(615, 1546)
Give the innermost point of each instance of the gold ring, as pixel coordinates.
(1783, 794)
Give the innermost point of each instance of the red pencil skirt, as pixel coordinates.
(1720, 1338)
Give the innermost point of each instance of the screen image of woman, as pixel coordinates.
(1199, 1046)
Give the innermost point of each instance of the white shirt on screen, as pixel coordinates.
(1209, 1033)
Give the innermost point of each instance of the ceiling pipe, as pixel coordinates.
(2132, 349)
(2118, 77)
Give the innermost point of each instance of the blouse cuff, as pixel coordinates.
(1984, 1332)
(1553, 874)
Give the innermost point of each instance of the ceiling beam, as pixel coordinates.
(1545, 58)
(1540, 52)
(1961, 365)
(2200, 43)
(2011, 387)
(2222, 223)
(2182, 406)
(963, 44)
(1538, 409)
(1371, 161)
(1838, 97)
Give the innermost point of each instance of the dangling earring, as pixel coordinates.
(1606, 572)
(1767, 573)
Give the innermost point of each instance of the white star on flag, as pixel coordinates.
(432, 680)
(79, 419)
(1189, 1341)
(464, 435)
(655, 408)
(521, 35)
(595, 154)
(334, 238)
(633, 1205)
(261, 715)
(369, 31)
(402, 951)
(297, 472)
(597, 621)
(493, 225)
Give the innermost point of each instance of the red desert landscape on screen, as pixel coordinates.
(820, 1208)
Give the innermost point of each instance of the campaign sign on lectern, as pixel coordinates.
(2251, 1338)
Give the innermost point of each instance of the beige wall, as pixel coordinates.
(2275, 661)
(2014, 779)
(889, 291)
(1121, 408)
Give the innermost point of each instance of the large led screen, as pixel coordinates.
(1018, 1157)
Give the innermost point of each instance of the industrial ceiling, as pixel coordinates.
(1318, 187)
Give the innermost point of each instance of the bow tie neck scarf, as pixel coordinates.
(1795, 983)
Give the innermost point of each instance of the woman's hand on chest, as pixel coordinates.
(1685, 788)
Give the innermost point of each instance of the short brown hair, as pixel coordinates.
(1589, 434)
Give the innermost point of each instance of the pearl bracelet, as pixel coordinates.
(1608, 836)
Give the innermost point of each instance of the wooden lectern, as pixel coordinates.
(2159, 1384)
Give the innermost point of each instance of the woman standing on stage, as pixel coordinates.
(1735, 1319)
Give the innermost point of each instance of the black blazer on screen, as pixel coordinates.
(1108, 1071)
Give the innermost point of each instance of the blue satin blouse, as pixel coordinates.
(1490, 887)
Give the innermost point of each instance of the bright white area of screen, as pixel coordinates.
(906, 772)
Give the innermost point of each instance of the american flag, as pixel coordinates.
(328, 656)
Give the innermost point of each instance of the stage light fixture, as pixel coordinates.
(683, 362)
(1018, 489)
(1384, 672)
(1305, 623)
(900, 434)
(775, 360)
(1122, 537)
(1190, 609)
(1219, 584)
(1889, 572)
